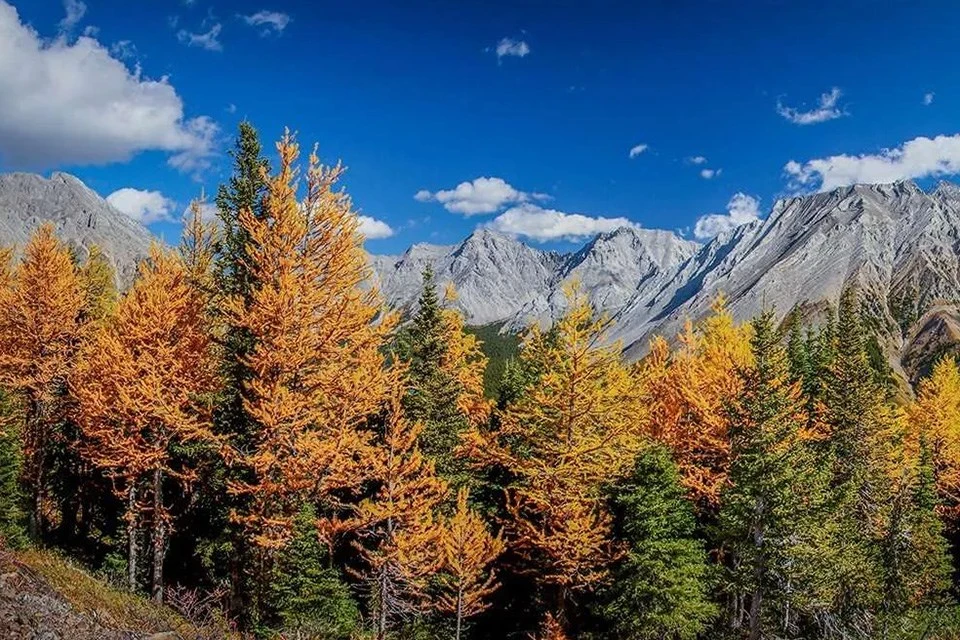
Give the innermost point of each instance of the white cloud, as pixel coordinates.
(75, 12)
(208, 212)
(143, 206)
(918, 158)
(74, 103)
(637, 150)
(826, 110)
(511, 47)
(708, 174)
(542, 225)
(374, 229)
(208, 40)
(123, 50)
(697, 160)
(272, 21)
(741, 209)
(482, 195)
(928, 99)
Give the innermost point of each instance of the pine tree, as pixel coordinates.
(445, 388)
(40, 329)
(772, 509)
(468, 551)
(142, 386)
(12, 513)
(580, 425)
(310, 596)
(661, 588)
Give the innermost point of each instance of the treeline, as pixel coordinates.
(249, 420)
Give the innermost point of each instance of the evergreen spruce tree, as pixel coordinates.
(13, 515)
(769, 514)
(854, 413)
(433, 392)
(310, 597)
(661, 587)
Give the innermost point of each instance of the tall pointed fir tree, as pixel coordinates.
(661, 587)
(41, 323)
(772, 509)
(445, 373)
(315, 369)
(144, 386)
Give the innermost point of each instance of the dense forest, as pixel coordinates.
(249, 421)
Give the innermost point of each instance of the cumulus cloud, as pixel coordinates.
(374, 229)
(75, 12)
(208, 212)
(508, 47)
(918, 158)
(482, 195)
(928, 99)
(143, 206)
(741, 209)
(531, 221)
(75, 103)
(209, 40)
(637, 150)
(271, 21)
(697, 160)
(826, 110)
(709, 174)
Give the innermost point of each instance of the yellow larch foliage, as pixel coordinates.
(99, 286)
(41, 325)
(198, 249)
(464, 361)
(579, 425)
(316, 371)
(468, 550)
(689, 391)
(935, 418)
(400, 536)
(143, 385)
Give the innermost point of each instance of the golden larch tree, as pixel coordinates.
(578, 426)
(689, 392)
(934, 418)
(99, 283)
(143, 386)
(468, 551)
(316, 372)
(399, 533)
(41, 323)
(464, 361)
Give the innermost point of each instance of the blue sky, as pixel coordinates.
(545, 100)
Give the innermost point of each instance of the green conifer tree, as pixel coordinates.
(769, 516)
(13, 516)
(310, 597)
(432, 392)
(661, 588)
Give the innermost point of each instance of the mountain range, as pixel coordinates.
(899, 244)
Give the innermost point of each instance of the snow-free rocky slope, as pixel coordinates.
(80, 217)
(897, 243)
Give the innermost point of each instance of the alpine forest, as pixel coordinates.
(248, 437)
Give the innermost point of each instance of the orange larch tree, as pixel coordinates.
(468, 551)
(464, 361)
(577, 427)
(400, 536)
(316, 372)
(143, 386)
(689, 392)
(41, 323)
(934, 419)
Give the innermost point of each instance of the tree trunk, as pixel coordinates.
(132, 546)
(459, 610)
(382, 613)
(159, 537)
